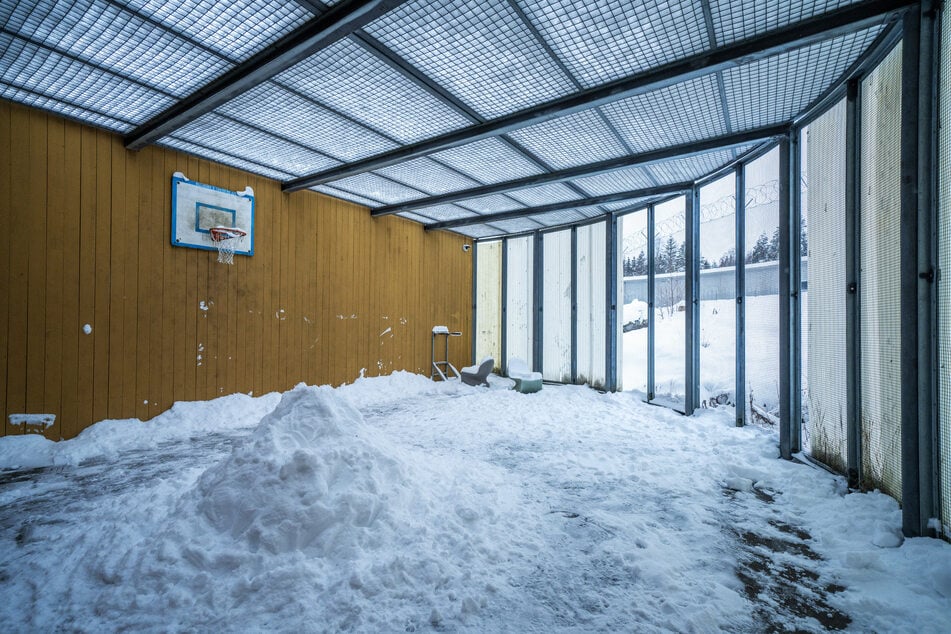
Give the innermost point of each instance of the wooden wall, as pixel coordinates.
(85, 239)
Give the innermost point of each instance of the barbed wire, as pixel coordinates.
(757, 196)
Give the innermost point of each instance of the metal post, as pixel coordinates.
(611, 326)
(691, 301)
(795, 308)
(538, 289)
(740, 257)
(475, 299)
(785, 304)
(651, 317)
(574, 304)
(928, 393)
(852, 272)
(910, 245)
(505, 306)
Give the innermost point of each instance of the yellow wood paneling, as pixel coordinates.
(86, 239)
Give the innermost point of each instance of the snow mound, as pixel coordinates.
(315, 512)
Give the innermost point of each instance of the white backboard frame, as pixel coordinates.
(196, 207)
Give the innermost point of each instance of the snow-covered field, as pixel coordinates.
(399, 504)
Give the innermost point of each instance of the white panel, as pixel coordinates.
(824, 317)
(880, 287)
(944, 284)
(556, 315)
(488, 302)
(519, 305)
(592, 289)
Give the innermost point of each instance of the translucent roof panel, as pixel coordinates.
(57, 77)
(685, 112)
(690, 169)
(618, 181)
(516, 225)
(478, 231)
(544, 194)
(742, 19)
(427, 175)
(556, 218)
(223, 158)
(478, 49)
(441, 213)
(490, 204)
(349, 79)
(339, 193)
(573, 140)
(112, 38)
(603, 40)
(488, 161)
(777, 88)
(236, 139)
(285, 113)
(62, 108)
(237, 29)
(378, 188)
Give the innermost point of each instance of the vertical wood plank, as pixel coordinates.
(55, 224)
(72, 316)
(36, 302)
(6, 219)
(131, 240)
(87, 281)
(107, 393)
(17, 307)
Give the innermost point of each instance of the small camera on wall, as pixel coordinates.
(466, 247)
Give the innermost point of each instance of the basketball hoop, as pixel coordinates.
(227, 240)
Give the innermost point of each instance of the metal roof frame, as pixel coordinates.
(797, 35)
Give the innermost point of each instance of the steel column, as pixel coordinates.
(503, 364)
(651, 316)
(786, 443)
(852, 272)
(538, 286)
(574, 304)
(691, 301)
(611, 275)
(740, 257)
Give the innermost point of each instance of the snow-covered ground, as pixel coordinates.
(399, 504)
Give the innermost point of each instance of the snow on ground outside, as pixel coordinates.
(398, 504)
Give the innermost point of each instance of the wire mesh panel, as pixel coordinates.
(824, 404)
(592, 317)
(944, 280)
(718, 292)
(518, 303)
(636, 311)
(488, 317)
(556, 299)
(669, 307)
(761, 303)
(879, 288)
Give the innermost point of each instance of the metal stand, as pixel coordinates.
(439, 366)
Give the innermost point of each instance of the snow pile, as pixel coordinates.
(312, 507)
(108, 438)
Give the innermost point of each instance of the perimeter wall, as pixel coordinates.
(85, 239)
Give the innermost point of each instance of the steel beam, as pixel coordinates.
(685, 150)
(318, 33)
(740, 253)
(804, 33)
(675, 188)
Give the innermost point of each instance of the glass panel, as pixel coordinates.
(718, 292)
(880, 283)
(824, 403)
(762, 289)
(488, 340)
(669, 315)
(519, 304)
(556, 300)
(636, 313)
(944, 280)
(591, 304)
